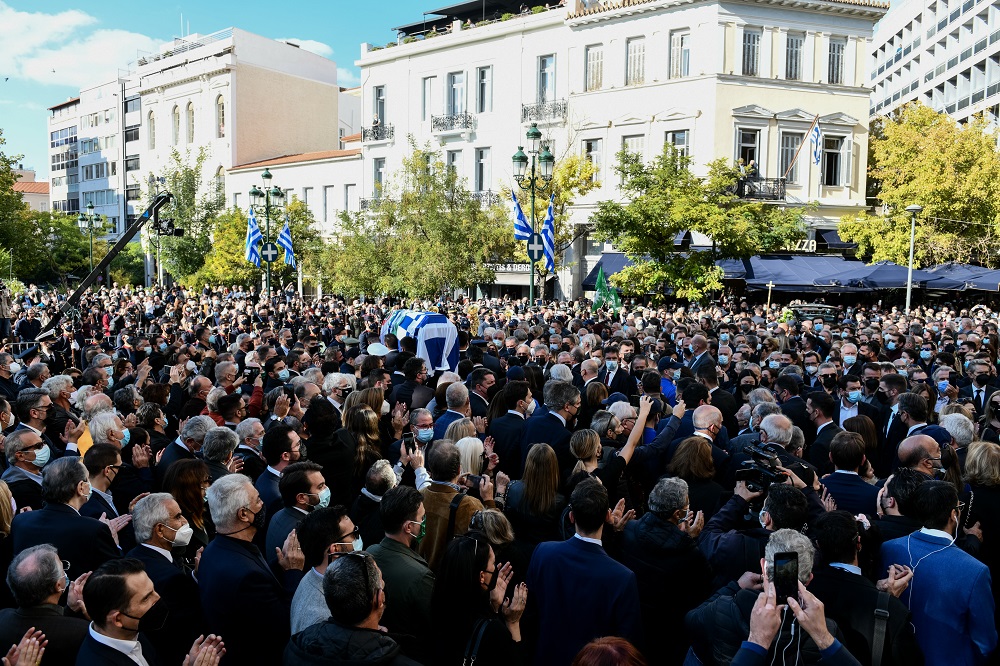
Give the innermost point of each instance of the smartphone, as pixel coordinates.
(408, 442)
(786, 576)
(634, 401)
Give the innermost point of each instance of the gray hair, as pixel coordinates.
(785, 541)
(557, 395)
(778, 428)
(33, 575)
(222, 369)
(212, 399)
(56, 384)
(622, 410)
(336, 380)
(125, 397)
(798, 440)
(415, 414)
(561, 373)
(226, 497)
(60, 479)
(220, 442)
(765, 409)
(349, 585)
(95, 404)
(196, 428)
(706, 416)
(314, 375)
(668, 495)
(601, 422)
(99, 358)
(449, 376)
(961, 429)
(245, 428)
(759, 395)
(149, 512)
(82, 393)
(14, 443)
(456, 395)
(380, 478)
(101, 425)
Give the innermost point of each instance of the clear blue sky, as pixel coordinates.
(49, 49)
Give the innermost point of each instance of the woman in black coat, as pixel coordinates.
(334, 453)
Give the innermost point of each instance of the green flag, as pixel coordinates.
(605, 294)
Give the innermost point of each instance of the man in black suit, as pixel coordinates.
(104, 463)
(851, 600)
(38, 581)
(786, 388)
(979, 390)
(912, 411)
(851, 404)
(563, 402)
(160, 526)
(700, 356)
(718, 398)
(819, 409)
(32, 407)
(187, 445)
(849, 490)
(480, 381)
(282, 447)
(26, 455)
(85, 542)
(243, 599)
(613, 376)
(508, 430)
(412, 391)
(250, 433)
(899, 515)
(302, 489)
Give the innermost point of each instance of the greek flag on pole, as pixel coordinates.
(522, 230)
(285, 243)
(437, 338)
(816, 140)
(549, 236)
(254, 237)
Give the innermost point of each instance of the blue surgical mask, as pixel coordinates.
(774, 365)
(163, 346)
(925, 354)
(986, 341)
(850, 360)
(677, 374)
(845, 335)
(891, 346)
(425, 434)
(691, 348)
(942, 386)
(109, 369)
(551, 330)
(723, 359)
(935, 328)
(147, 350)
(723, 337)
(854, 397)
(812, 369)
(126, 436)
(611, 365)
(42, 456)
(283, 375)
(324, 498)
(211, 339)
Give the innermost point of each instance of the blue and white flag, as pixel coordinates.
(816, 140)
(285, 243)
(522, 230)
(254, 237)
(549, 236)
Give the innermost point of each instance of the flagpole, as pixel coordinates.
(806, 138)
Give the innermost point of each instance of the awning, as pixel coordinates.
(974, 277)
(793, 272)
(881, 275)
(833, 240)
(613, 262)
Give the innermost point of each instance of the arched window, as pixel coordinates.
(219, 183)
(177, 126)
(151, 130)
(190, 122)
(220, 117)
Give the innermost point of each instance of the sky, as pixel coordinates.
(49, 49)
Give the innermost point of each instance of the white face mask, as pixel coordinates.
(531, 408)
(15, 368)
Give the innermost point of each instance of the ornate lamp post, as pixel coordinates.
(267, 201)
(89, 219)
(537, 179)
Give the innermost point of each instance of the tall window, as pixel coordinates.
(680, 54)
(427, 101)
(790, 143)
(453, 160)
(219, 184)
(378, 173)
(595, 67)
(546, 78)
(793, 57)
(350, 198)
(835, 66)
(220, 117)
(634, 144)
(483, 175)
(635, 65)
(833, 161)
(681, 141)
(190, 122)
(751, 52)
(176, 117)
(456, 93)
(484, 90)
(379, 102)
(592, 152)
(747, 143)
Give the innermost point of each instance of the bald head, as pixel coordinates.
(706, 416)
(700, 343)
(920, 453)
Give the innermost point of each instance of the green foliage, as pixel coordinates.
(923, 157)
(51, 246)
(663, 199)
(425, 234)
(409, 39)
(193, 209)
(129, 267)
(11, 202)
(538, 9)
(506, 16)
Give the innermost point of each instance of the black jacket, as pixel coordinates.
(667, 565)
(93, 653)
(365, 514)
(330, 643)
(85, 542)
(507, 433)
(336, 455)
(63, 632)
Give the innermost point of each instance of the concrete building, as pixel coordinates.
(33, 193)
(944, 53)
(730, 80)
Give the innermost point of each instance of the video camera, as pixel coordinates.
(761, 470)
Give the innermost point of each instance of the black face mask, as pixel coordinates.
(830, 381)
(747, 388)
(871, 384)
(154, 619)
(982, 379)
(882, 397)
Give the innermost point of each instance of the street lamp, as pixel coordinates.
(266, 201)
(913, 211)
(90, 218)
(538, 180)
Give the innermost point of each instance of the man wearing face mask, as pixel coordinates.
(851, 404)
(85, 542)
(409, 581)
(981, 387)
(277, 373)
(563, 401)
(8, 368)
(160, 526)
(104, 464)
(615, 378)
(303, 490)
(243, 598)
(32, 408)
(508, 430)
(412, 391)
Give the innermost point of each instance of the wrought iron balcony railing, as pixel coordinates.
(454, 121)
(554, 110)
(377, 133)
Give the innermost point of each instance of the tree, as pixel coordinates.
(193, 209)
(129, 267)
(51, 247)
(11, 202)
(227, 264)
(425, 234)
(664, 199)
(923, 157)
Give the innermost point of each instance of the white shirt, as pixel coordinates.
(558, 416)
(589, 540)
(107, 498)
(846, 567)
(514, 411)
(166, 553)
(941, 534)
(845, 471)
(819, 428)
(847, 412)
(131, 649)
(914, 427)
(274, 471)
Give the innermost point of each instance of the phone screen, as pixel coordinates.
(408, 441)
(786, 576)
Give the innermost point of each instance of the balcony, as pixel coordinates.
(486, 198)
(762, 189)
(460, 122)
(377, 133)
(554, 111)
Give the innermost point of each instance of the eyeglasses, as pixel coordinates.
(354, 533)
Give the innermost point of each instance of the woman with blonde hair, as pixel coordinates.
(982, 474)
(534, 504)
(360, 433)
(693, 463)
(460, 429)
(477, 458)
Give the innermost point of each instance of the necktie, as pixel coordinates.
(892, 421)
(607, 378)
(979, 400)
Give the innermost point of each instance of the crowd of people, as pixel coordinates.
(203, 477)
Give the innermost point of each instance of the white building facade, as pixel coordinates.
(944, 53)
(716, 79)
